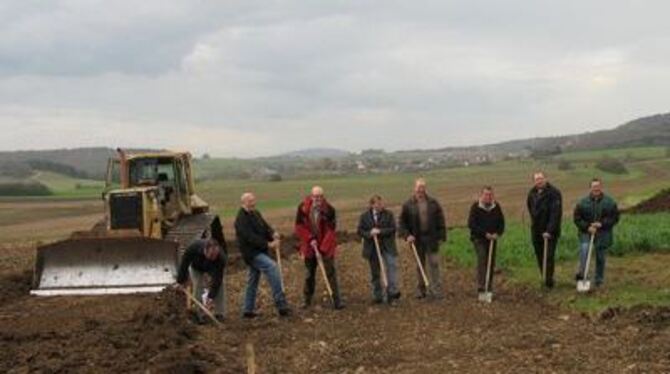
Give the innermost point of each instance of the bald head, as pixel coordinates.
(248, 201)
(317, 195)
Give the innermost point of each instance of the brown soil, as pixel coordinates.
(518, 332)
(658, 203)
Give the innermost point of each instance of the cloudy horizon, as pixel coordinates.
(252, 78)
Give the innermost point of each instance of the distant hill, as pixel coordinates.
(90, 163)
(316, 153)
(646, 131)
(87, 163)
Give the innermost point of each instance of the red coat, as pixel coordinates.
(326, 237)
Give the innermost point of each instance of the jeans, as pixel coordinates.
(262, 263)
(391, 275)
(198, 281)
(598, 253)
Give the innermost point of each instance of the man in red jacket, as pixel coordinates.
(315, 226)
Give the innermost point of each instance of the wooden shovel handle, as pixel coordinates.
(281, 273)
(319, 261)
(489, 265)
(418, 262)
(202, 307)
(382, 267)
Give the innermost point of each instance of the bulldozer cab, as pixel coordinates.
(168, 172)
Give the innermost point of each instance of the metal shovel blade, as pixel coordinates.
(486, 297)
(583, 286)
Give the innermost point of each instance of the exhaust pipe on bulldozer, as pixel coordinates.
(96, 266)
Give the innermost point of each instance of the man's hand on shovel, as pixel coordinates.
(209, 303)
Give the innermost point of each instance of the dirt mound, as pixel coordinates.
(98, 334)
(658, 203)
(14, 286)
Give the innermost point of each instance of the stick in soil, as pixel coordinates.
(251, 359)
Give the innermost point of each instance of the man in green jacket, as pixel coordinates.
(595, 214)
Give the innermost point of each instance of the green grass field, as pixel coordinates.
(635, 236)
(637, 153)
(65, 186)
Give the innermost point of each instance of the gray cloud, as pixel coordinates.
(254, 78)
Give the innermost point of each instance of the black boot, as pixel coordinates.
(338, 304)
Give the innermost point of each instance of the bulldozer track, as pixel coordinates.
(190, 228)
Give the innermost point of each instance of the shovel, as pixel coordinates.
(382, 267)
(544, 260)
(421, 270)
(487, 295)
(281, 273)
(319, 260)
(201, 306)
(584, 285)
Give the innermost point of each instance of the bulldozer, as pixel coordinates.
(152, 213)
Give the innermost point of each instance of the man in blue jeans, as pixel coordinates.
(595, 214)
(255, 237)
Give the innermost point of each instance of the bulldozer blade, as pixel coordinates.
(95, 266)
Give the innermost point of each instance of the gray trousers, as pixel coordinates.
(431, 264)
(482, 253)
(391, 275)
(198, 281)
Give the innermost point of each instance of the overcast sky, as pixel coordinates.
(250, 78)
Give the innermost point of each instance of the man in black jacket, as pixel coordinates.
(255, 237)
(545, 206)
(487, 223)
(200, 258)
(422, 223)
(379, 222)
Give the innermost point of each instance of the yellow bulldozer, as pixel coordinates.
(151, 214)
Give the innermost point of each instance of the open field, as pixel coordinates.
(638, 153)
(624, 327)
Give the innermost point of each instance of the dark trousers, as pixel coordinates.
(311, 267)
(538, 245)
(482, 253)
